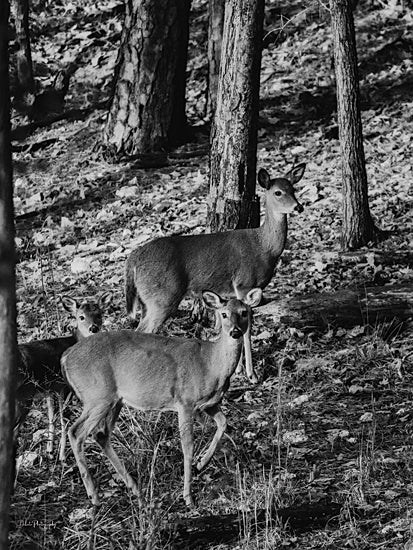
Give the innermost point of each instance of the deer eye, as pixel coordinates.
(244, 313)
(81, 317)
(224, 315)
(277, 193)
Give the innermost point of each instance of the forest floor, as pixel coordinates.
(331, 419)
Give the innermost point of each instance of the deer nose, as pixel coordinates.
(235, 333)
(299, 208)
(93, 329)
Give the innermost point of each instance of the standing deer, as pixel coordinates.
(38, 364)
(152, 372)
(161, 272)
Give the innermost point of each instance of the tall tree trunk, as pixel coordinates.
(233, 203)
(358, 227)
(20, 10)
(147, 98)
(7, 287)
(215, 28)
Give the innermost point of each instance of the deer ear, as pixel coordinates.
(212, 300)
(254, 297)
(105, 299)
(70, 304)
(264, 178)
(296, 173)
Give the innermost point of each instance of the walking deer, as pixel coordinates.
(152, 372)
(38, 364)
(161, 272)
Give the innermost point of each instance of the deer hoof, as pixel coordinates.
(95, 500)
(253, 378)
(189, 501)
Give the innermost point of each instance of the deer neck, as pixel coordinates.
(273, 233)
(225, 354)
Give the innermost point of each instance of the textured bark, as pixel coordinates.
(147, 99)
(233, 203)
(20, 9)
(358, 227)
(7, 288)
(215, 28)
(345, 308)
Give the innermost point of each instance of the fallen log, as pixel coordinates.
(201, 532)
(345, 308)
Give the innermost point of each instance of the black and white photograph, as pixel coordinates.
(206, 275)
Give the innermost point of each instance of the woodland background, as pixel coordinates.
(331, 420)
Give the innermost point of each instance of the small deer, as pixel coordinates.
(38, 365)
(161, 272)
(152, 372)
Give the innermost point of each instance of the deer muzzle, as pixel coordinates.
(235, 333)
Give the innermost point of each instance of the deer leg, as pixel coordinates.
(247, 344)
(62, 446)
(51, 426)
(153, 318)
(248, 356)
(221, 422)
(157, 308)
(217, 325)
(88, 421)
(22, 408)
(238, 370)
(186, 425)
(103, 439)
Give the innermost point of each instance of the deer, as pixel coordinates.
(38, 365)
(160, 273)
(152, 372)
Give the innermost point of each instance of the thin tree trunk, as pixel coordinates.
(233, 203)
(147, 98)
(7, 288)
(20, 9)
(215, 29)
(358, 227)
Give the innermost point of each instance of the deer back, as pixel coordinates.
(146, 371)
(196, 262)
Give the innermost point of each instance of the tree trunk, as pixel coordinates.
(148, 104)
(204, 531)
(358, 227)
(25, 78)
(7, 287)
(215, 29)
(345, 308)
(233, 203)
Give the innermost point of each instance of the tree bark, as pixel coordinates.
(358, 227)
(345, 308)
(204, 531)
(233, 203)
(215, 29)
(7, 287)
(20, 9)
(147, 109)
